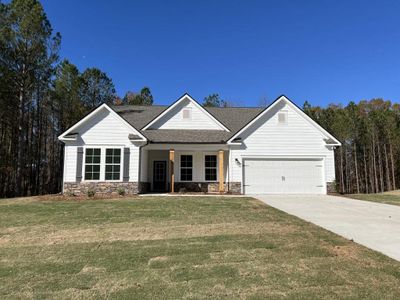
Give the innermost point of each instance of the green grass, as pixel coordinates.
(392, 197)
(180, 247)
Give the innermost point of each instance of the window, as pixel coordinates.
(92, 164)
(186, 113)
(113, 164)
(210, 167)
(282, 117)
(186, 167)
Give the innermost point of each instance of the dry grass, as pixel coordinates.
(179, 247)
(392, 197)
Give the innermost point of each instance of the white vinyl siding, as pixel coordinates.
(102, 130)
(266, 138)
(198, 118)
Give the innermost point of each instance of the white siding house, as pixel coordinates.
(185, 147)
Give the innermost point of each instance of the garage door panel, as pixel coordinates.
(280, 176)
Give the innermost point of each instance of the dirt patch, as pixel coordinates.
(91, 270)
(157, 259)
(349, 251)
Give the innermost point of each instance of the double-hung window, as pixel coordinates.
(92, 163)
(113, 164)
(186, 167)
(210, 164)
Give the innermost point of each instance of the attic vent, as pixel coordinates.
(282, 118)
(186, 113)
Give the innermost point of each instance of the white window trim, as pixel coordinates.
(180, 166)
(103, 162)
(204, 167)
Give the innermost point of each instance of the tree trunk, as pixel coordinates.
(365, 173)
(392, 163)
(356, 167)
(20, 138)
(388, 184)
(341, 171)
(374, 165)
(380, 168)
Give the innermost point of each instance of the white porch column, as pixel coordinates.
(171, 169)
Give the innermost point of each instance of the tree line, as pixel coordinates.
(368, 160)
(40, 97)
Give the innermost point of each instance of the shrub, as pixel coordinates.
(121, 191)
(70, 194)
(91, 193)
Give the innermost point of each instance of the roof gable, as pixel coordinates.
(186, 113)
(329, 137)
(66, 136)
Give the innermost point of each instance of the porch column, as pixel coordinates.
(221, 170)
(171, 169)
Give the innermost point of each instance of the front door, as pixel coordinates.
(159, 176)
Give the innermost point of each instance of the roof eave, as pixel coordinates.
(193, 143)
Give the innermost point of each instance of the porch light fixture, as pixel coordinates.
(237, 161)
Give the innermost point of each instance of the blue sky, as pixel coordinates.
(321, 51)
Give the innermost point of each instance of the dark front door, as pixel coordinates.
(159, 176)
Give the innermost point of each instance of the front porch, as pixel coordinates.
(185, 168)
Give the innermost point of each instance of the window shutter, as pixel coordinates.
(127, 153)
(79, 162)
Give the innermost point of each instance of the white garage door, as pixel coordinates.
(283, 176)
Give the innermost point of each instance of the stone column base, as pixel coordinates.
(331, 187)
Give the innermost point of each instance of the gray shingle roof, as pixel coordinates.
(234, 118)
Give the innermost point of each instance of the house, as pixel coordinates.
(187, 147)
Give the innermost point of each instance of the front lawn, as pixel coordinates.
(180, 247)
(392, 197)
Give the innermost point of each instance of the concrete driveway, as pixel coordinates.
(374, 225)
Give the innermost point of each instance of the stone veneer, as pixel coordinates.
(79, 188)
(235, 187)
(82, 188)
(331, 187)
(207, 187)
